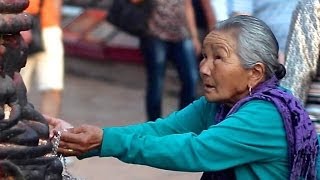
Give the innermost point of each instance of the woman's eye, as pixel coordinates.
(204, 56)
(217, 57)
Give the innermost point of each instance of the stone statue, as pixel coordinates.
(25, 146)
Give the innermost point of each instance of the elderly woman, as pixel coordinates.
(245, 126)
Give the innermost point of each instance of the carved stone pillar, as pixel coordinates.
(25, 147)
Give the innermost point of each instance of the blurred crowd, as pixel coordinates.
(178, 26)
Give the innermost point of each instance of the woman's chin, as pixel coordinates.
(211, 97)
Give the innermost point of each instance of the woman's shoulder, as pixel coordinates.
(255, 112)
(260, 107)
(254, 104)
(258, 103)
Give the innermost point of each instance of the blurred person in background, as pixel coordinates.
(205, 16)
(47, 66)
(276, 13)
(172, 34)
(302, 57)
(208, 13)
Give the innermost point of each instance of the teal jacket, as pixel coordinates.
(252, 140)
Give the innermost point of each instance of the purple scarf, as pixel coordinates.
(301, 135)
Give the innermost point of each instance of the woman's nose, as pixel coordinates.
(204, 67)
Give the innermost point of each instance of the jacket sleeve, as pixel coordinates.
(221, 146)
(194, 118)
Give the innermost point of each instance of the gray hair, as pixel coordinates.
(255, 43)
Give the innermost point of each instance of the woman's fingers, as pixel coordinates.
(78, 130)
(57, 123)
(73, 148)
(69, 152)
(70, 137)
(51, 121)
(70, 145)
(76, 141)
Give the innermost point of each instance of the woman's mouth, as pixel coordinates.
(208, 87)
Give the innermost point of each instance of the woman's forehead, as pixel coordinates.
(216, 39)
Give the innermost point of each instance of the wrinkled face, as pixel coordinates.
(224, 79)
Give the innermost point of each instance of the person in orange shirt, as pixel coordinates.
(48, 65)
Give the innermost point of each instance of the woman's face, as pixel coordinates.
(224, 79)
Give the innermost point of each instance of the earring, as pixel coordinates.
(250, 90)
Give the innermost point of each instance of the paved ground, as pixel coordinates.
(107, 94)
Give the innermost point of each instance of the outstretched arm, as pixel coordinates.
(192, 119)
(219, 147)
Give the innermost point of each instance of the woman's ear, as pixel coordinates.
(257, 74)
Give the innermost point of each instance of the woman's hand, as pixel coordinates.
(56, 124)
(79, 140)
